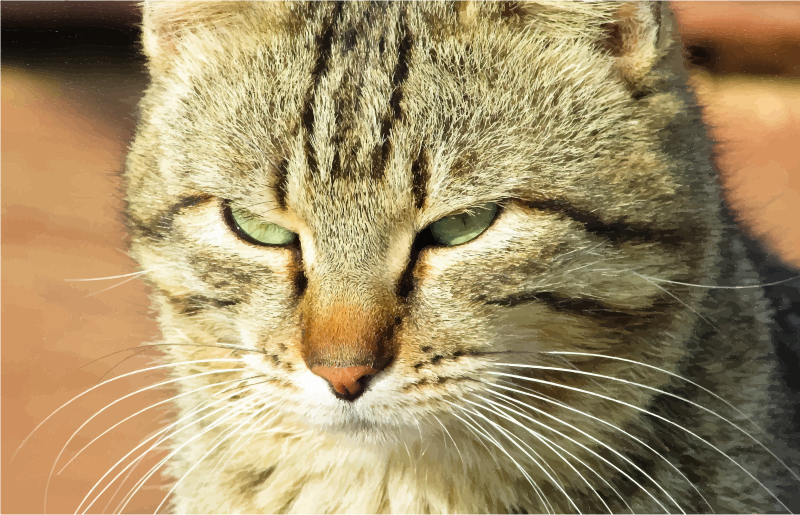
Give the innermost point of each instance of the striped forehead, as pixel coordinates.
(356, 91)
(338, 178)
(344, 171)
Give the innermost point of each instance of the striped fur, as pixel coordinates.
(357, 125)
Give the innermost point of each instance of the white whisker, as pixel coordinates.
(463, 463)
(595, 454)
(112, 287)
(668, 394)
(162, 431)
(672, 374)
(530, 393)
(231, 453)
(715, 287)
(550, 444)
(111, 381)
(213, 448)
(133, 274)
(533, 484)
(138, 413)
(664, 419)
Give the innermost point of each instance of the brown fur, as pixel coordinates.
(357, 126)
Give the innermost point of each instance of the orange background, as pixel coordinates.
(67, 117)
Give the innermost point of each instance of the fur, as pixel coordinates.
(358, 125)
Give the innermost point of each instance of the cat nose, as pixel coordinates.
(348, 383)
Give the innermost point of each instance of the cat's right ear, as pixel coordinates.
(168, 27)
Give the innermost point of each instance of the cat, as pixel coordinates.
(446, 257)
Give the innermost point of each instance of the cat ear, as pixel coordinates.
(166, 25)
(639, 36)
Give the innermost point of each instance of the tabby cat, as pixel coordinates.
(446, 257)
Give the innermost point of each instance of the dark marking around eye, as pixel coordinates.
(407, 282)
(163, 222)
(190, 305)
(420, 173)
(300, 283)
(584, 307)
(281, 179)
(616, 232)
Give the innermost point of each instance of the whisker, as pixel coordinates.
(706, 390)
(714, 287)
(232, 412)
(138, 461)
(641, 410)
(555, 480)
(550, 444)
(160, 432)
(112, 287)
(236, 446)
(595, 454)
(110, 381)
(463, 464)
(222, 440)
(536, 488)
(149, 346)
(171, 399)
(126, 358)
(531, 393)
(669, 394)
(687, 306)
(134, 274)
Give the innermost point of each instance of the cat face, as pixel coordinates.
(359, 128)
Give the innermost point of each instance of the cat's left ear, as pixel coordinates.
(167, 26)
(639, 36)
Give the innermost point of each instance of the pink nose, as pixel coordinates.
(347, 382)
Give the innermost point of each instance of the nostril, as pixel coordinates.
(348, 383)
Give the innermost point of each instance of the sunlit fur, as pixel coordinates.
(358, 125)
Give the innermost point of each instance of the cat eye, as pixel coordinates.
(463, 227)
(256, 231)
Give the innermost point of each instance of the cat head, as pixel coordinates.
(393, 205)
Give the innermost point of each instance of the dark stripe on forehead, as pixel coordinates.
(380, 155)
(323, 43)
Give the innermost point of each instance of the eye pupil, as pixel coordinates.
(463, 227)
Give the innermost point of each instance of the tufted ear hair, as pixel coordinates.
(638, 35)
(167, 24)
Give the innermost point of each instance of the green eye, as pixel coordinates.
(464, 227)
(256, 231)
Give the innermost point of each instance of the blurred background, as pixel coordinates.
(72, 74)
